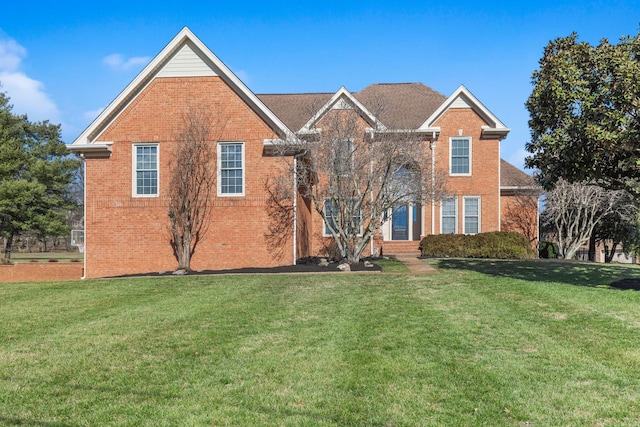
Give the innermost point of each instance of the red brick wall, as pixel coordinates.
(41, 272)
(484, 180)
(126, 234)
(520, 214)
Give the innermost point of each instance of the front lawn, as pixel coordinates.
(481, 343)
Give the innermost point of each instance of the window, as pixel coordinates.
(471, 215)
(333, 216)
(231, 169)
(342, 156)
(145, 170)
(449, 216)
(460, 156)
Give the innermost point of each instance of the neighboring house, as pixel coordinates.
(128, 150)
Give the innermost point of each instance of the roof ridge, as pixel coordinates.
(297, 93)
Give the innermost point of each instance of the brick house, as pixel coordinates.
(128, 148)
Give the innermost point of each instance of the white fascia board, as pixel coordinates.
(84, 148)
(341, 94)
(512, 189)
(499, 133)
(475, 104)
(286, 147)
(146, 76)
(91, 150)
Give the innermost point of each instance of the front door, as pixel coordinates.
(400, 223)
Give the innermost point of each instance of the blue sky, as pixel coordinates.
(65, 61)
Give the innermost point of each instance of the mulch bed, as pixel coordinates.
(307, 265)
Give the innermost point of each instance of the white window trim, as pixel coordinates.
(349, 164)
(455, 202)
(464, 214)
(219, 169)
(451, 155)
(134, 168)
(325, 230)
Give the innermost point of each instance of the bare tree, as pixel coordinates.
(619, 228)
(574, 210)
(521, 210)
(192, 182)
(355, 172)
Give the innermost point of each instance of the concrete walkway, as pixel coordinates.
(414, 264)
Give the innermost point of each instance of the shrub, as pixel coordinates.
(53, 260)
(497, 244)
(548, 250)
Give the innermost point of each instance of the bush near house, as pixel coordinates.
(497, 244)
(548, 249)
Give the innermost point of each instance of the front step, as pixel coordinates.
(408, 247)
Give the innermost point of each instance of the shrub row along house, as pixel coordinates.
(272, 199)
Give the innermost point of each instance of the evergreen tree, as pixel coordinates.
(35, 175)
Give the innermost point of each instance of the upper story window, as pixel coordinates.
(449, 216)
(460, 161)
(471, 215)
(342, 156)
(231, 169)
(145, 170)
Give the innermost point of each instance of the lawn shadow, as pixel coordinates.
(575, 273)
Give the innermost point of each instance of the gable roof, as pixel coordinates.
(401, 105)
(341, 99)
(462, 98)
(186, 56)
(394, 105)
(295, 109)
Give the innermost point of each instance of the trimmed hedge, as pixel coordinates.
(548, 250)
(496, 244)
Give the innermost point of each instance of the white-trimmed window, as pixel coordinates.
(471, 214)
(145, 170)
(460, 159)
(231, 169)
(449, 216)
(342, 156)
(332, 214)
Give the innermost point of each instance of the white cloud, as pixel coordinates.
(243, 75)
(118, 62)
(11, 54)
(91, 115)
(27, 95)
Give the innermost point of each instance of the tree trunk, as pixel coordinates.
(608, 255)
(7, 249)
(592, 247)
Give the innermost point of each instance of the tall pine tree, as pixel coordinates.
(36, 171)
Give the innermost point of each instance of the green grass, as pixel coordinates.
(485, 343)
(390, 265)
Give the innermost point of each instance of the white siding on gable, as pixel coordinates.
(186, 63)
(460, 102)
(342, 104)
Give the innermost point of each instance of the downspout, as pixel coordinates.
(371, 192)
(295, 206)
(84, 213)
(499, 190)
(433, 185)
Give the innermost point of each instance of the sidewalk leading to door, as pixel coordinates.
(415, 264)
